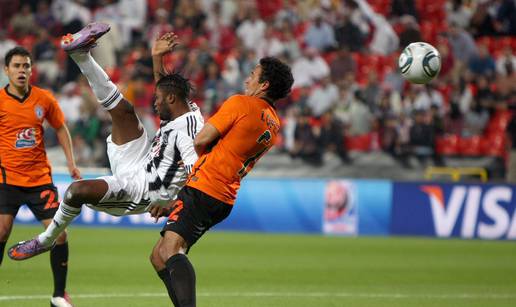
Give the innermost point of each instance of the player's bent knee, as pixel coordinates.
(171, 245)
(155, 258)
(81, 192)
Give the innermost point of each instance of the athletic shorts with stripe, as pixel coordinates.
(195, 213)
(127, 187)
(42, 200)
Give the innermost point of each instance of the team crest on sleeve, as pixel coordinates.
(39, 111)
(26, 138)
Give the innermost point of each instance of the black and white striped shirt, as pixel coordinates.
(172, 155)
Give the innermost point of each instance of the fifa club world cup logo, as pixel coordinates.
(26, 138)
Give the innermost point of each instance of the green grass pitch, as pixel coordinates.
(110, 267)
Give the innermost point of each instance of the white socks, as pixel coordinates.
(63, 217)
(106, 91)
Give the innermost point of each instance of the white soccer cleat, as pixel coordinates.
(61, 301)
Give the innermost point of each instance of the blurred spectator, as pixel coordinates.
(22, 23)
(332, 136)
(427, 97)
(143, 64)
(392, 141)
(45, 57)
(215, 88)
(482, 21)
(231, 72)
(360, 117)
(251, 31)
(347, 34)
(6, 44)
(132, 19)
(342, 65)
(454, 124)
(506, 17)
(459, 13)
(448, 68)
(392, 79)
(323, 98)
(72, 15)
(475, 121)
(44, 18)
(70, 102)
(506, 63)
(106, 51)
(291, 46)
(320, 34)
(410, 33)
(308, 143)
(385, 40)
(195, 17)
(308, 68)
(400, 8)
(484, 95)
(272, 44)
(371, 92)
(462, 44)
(422, 137)
(482, 63)
(289, 13)
(159, 27)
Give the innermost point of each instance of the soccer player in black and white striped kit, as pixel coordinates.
(147, 174)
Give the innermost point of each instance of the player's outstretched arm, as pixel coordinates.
(162, 46)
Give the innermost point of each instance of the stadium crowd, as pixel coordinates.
(348, 94)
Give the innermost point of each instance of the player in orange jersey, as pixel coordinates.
(25, 171)
(230, 143)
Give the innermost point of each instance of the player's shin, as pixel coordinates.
(104, 89)
(182, 280)
(2, 248)
(63, 217)
(59, 263)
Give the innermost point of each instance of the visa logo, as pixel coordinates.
(492, 202)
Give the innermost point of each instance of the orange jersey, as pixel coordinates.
(23, 159)
(248, 128)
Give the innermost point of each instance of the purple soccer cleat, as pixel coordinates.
(85, 39)
(27, 249)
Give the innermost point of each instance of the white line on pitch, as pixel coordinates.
(277, 294)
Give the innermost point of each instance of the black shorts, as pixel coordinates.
(194, 213)
(42, 200)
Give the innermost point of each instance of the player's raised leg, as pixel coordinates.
(126, 126)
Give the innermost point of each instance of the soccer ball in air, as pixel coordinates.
(419, 62)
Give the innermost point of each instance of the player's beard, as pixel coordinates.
(164, 114)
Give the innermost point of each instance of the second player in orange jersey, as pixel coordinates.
(231, 142)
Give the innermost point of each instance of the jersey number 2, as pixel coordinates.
(265, 139)
(51, 201)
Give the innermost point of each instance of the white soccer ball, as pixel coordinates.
(419, 62)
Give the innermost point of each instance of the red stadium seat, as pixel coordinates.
(494, 145)
(470, 147)
(499, 122)
(359, 142)
(447, 145)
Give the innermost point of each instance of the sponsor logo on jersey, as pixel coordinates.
(26, 138)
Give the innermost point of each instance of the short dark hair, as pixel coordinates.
(278, 75)
(176, 85)
(18, 50)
